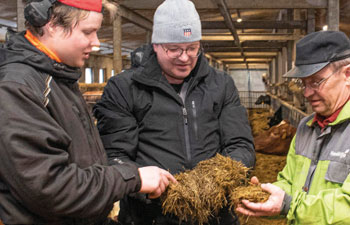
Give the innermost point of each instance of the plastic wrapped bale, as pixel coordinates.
(201, 193)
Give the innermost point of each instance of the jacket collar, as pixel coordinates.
(19, 50)
(344, 115)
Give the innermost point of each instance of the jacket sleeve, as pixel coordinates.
(36, 167)
(236, 136)
(117, 125)
(328, 206)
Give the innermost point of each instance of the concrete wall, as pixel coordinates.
(248, 80)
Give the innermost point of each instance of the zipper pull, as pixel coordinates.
(184, 113)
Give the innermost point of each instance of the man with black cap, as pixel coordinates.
(172, 110)
(53, 167)
(314, 186)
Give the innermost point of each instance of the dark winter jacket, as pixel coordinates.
(141, 118)
(53, 168)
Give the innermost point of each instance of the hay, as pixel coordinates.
(253, 193)
(201, 193)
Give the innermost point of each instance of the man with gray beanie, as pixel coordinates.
(314, 186)
(172, 110)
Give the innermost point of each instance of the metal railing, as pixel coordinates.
(289, 112)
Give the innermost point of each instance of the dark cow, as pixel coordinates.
(276, 118)
(263, 99)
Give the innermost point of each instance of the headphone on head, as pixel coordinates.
(38, 13)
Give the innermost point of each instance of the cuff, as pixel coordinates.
(286, 204)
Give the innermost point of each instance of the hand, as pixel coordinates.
(154, 180)
(269, 208)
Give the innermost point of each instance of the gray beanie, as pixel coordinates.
(176, 21)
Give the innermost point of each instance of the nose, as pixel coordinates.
(308, 91)
(183, 57)
(95, 41)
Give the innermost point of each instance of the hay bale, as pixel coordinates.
(201, 193)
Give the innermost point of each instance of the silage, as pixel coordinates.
(201, 193)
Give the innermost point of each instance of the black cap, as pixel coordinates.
(316, 50)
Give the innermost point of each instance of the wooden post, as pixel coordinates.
(117, 44)
(20, 16)
(333, 15)
(310, 21)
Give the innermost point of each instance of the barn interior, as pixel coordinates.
(253, 41)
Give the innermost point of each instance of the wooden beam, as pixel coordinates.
(135, 18)
(228, 49)
(228, 20)
(258, 24)
(234, 58)
(253, 37)
(237, 4)
(245, 44)
(248, 59)
(251, 62)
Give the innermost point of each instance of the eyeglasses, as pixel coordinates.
(314, 85)
(174, 53)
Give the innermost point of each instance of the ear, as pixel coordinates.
(155, 47)
(347, 74)
(49, 29)
(347, 71)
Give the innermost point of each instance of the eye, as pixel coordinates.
(87, 32)
(174, 50)
(191, 49)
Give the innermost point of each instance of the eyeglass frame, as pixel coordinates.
(200, 50)
(316, 84)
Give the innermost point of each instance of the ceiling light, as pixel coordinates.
(239, 20)
(325, 27)
(95, 48)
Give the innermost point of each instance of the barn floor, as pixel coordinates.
(267, 168)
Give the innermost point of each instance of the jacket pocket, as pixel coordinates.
(337, 172)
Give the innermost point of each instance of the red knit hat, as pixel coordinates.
(89, 5)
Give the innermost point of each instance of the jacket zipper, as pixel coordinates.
(182, 95)
(187, 138)
(195, 127)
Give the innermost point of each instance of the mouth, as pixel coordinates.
(314, 102)
(182, 66)
(86, 55)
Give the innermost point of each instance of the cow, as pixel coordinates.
(276, 118)
(275, 140)
(263, 99)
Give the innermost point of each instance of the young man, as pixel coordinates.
(53, 167)
(172, 110)
(314, 186)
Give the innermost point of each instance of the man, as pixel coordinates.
(53, 168)
(172, 110)
(314, 186)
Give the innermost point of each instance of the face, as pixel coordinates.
(176, 70)
(74, 48)
(331, 94)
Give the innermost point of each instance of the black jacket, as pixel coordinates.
(52, 162)
(142, 119)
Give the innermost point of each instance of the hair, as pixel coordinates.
(340, 63)
(67, 16)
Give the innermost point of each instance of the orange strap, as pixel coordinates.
(35, 41)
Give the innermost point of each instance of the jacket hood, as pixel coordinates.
(19, 50)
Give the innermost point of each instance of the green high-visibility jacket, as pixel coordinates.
(317, 172)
